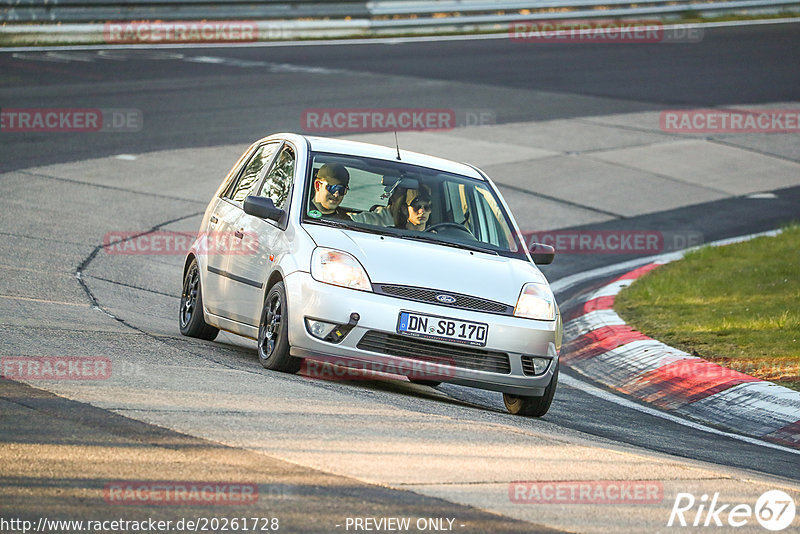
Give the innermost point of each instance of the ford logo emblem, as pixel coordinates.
(446, 299)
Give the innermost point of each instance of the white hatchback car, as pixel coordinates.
(374, 258)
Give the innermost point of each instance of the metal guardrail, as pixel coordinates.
(380, 14)
(405, 8)
(25, 22)
(104, 10)
(580, 9)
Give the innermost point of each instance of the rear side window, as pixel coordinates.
(489, 222)
(244, 183)
(474, 206)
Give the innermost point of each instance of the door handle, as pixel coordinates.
(214, 219)
(239, 234)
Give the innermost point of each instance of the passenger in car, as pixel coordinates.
(377, 216)
(411, 208)
(330, 186)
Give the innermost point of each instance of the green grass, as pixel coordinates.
(737, 305)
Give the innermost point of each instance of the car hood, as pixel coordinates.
(391, 260)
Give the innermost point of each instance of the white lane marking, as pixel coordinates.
(208, 60)
(605, 395)
(589, 322)
(611, 289)
(58, 57)
(776, 405)
(562, 284)
(122, 55)
(205, 59)
(85, 58)
(40, 57)
(268, 65)
(365, 41)
(763, 196)
(126, 157)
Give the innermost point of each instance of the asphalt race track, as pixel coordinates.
(178, 409)
(217, 96)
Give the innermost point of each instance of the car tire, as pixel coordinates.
(273, 333)
(429, 383)
(191, 319)
(532, 406)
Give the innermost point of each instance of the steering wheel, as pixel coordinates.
(457, 226)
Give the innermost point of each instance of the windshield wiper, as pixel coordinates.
(347, 226)
(327, 222)
(413, 237)
(453, 244)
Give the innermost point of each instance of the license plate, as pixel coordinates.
(442, 328)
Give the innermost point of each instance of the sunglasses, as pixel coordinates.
(416, 206)
(334, 189)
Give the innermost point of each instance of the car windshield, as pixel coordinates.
(408, 201)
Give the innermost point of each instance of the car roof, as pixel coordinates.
(343, 146)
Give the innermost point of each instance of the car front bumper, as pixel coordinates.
(378, 318)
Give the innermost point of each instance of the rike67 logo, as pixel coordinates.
(774, 510)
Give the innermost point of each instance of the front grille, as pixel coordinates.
(464, 302)
(433, 351)
(527, 365)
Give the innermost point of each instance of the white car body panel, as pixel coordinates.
(235, 285)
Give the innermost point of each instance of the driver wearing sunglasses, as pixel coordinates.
(330, 187)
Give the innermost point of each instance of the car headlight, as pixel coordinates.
(536, 301)
(338, 268)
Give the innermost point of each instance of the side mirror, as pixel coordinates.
(262, 207)
(542, 254)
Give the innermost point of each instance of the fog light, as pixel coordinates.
(534, 365)
(540, 365)
(319, 329)
(330, 332)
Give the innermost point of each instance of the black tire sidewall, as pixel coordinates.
(279, 359)
(534, 406)
(196, 325)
